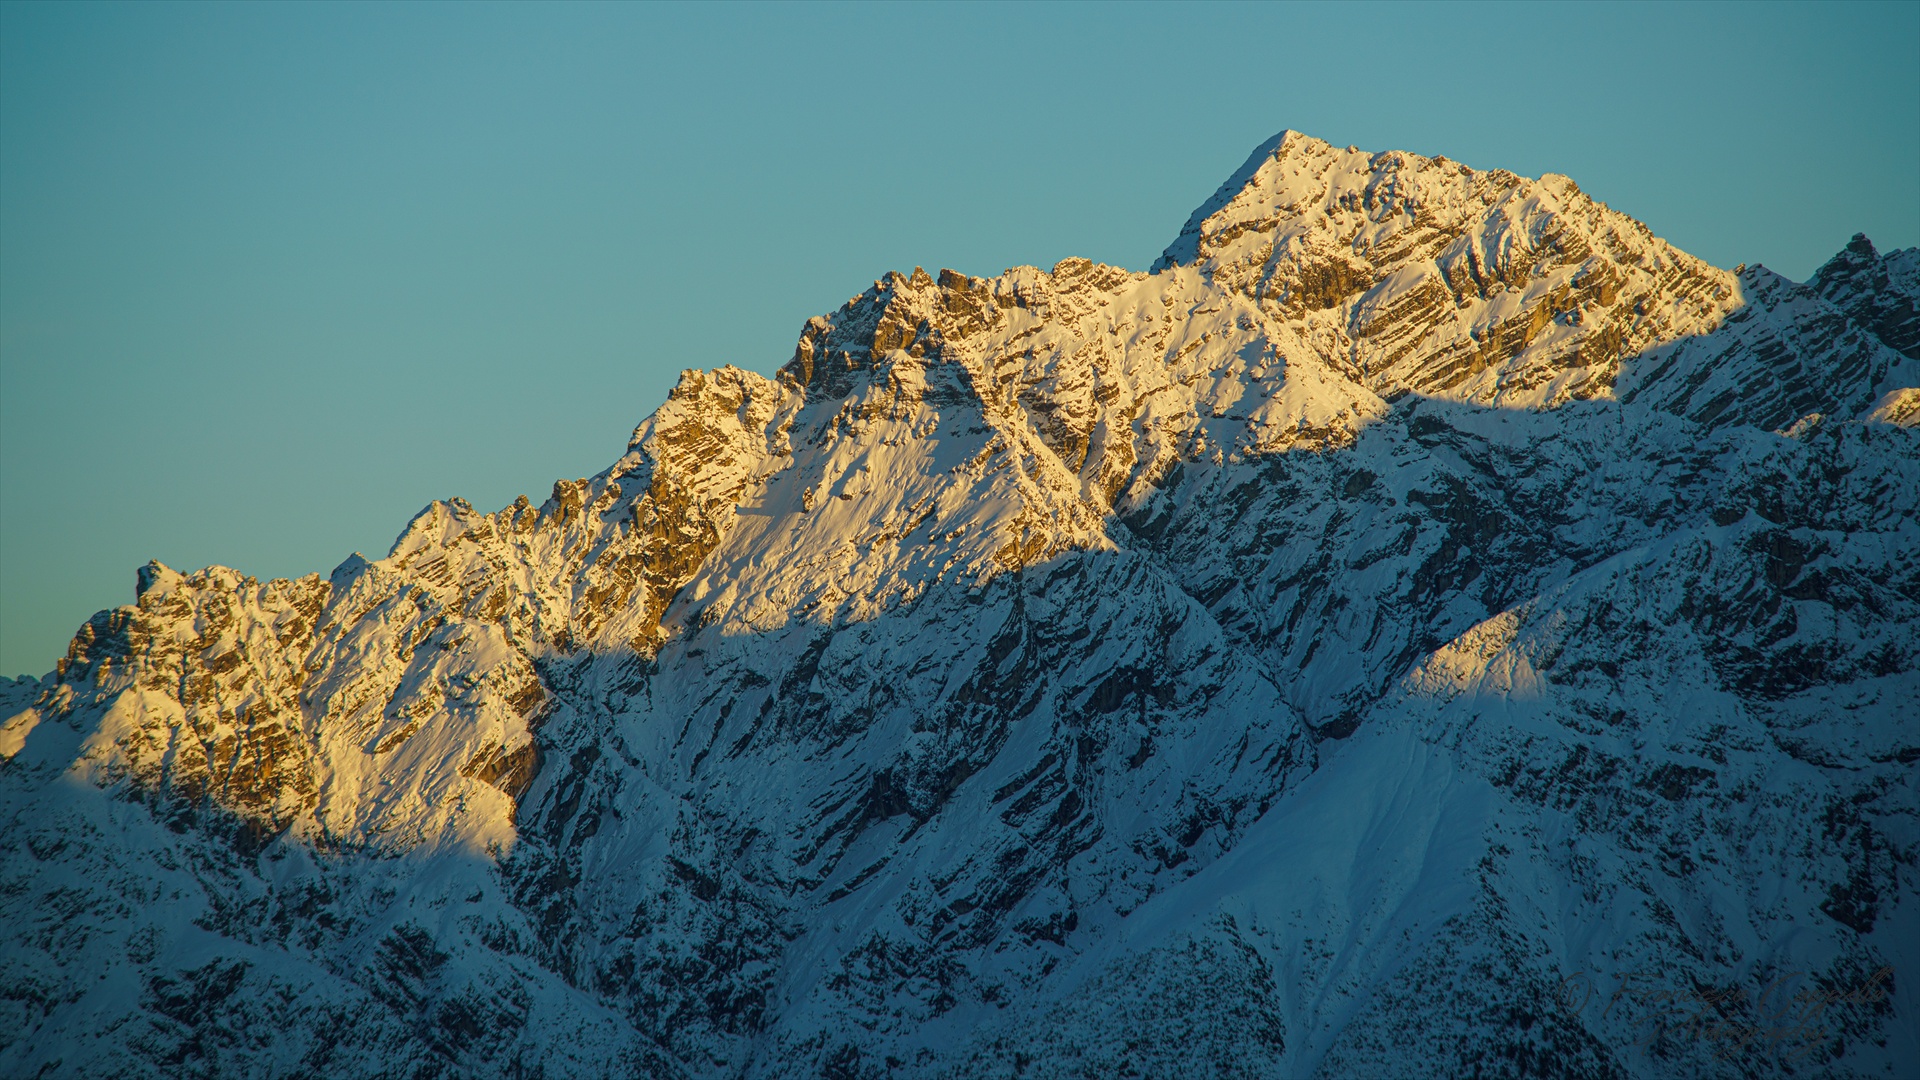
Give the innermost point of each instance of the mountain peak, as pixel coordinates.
(155, 577)
(1287, 143)
(1879, 292)
(1431, 276)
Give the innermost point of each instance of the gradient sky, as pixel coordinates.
(274, 276)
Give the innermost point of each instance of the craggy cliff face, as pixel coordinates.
(1425, 595)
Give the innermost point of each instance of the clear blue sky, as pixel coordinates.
(274, 276)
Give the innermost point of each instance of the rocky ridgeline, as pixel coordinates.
(1424, 594)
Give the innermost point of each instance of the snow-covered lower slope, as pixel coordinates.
(1427, 625)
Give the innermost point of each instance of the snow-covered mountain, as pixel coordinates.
(1427, 625)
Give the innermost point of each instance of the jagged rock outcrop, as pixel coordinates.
(1878, 293)
(1421, 606)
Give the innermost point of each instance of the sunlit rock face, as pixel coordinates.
(1427, 625)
